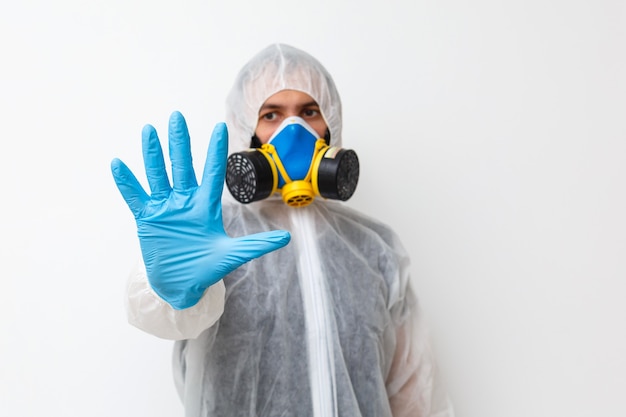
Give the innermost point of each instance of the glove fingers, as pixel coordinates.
(154, 163)
(183, 174)
(259, 244)
(215, 171)
(131, 190)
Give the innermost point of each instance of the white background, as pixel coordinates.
(491, 137)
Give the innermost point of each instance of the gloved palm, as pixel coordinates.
(181, 233)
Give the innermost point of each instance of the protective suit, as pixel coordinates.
(326, 326)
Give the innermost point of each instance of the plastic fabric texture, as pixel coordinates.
(327, 326)
(150, 313)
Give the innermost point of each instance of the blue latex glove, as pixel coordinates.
(184, 246)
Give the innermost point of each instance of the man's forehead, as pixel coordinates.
(288, 98)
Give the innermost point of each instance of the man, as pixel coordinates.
(278, 309)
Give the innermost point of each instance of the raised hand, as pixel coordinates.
(183, 242)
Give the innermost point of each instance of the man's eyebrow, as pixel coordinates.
(273, 106)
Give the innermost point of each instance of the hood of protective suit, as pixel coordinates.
(279, 67)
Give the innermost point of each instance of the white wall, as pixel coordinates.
(491, 136)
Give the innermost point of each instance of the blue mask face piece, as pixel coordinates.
(294, 141)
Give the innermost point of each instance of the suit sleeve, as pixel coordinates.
(150, 313)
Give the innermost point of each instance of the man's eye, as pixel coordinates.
(269, 116)
(310, 112)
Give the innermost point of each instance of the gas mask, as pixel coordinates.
(295, 162)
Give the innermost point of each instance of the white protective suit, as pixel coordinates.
(326, 326)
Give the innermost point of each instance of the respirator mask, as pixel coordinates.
(296, 162)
